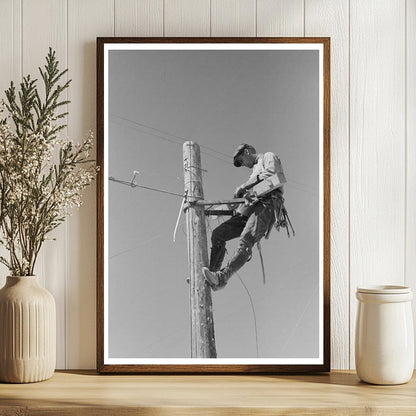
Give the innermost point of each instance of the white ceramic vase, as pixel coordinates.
(384, 340)
(27, 331)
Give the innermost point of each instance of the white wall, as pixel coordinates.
(373, 132)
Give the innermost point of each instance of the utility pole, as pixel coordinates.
(202, 322)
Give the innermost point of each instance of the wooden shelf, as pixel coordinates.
(86, 393)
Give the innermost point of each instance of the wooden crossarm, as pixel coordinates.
(203, 202)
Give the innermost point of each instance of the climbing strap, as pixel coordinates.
(261, 261)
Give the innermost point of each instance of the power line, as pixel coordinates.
(303, 187)
(173, 141)
(153, 134)
(183, 139)
(135, 247)
(133, 185)
(254, 313)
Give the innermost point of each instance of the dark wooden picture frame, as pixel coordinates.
(104, 366)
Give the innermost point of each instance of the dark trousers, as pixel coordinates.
(250, 230)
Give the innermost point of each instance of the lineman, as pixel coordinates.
(251, 222)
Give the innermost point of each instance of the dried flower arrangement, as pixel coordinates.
(41, 175)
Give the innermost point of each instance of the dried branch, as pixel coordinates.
(36, 193)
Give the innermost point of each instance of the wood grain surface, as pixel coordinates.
(82, 393)
(410, 260)
(280, 18)
(331, 18)
(187, 18)
(138, 17)
(373, 46)
(233, 18)
(51, 264)
(86, 18)
(377, 143)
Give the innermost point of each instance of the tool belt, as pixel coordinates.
(252, 201)
(280, 219)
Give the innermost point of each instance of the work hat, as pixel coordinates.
(240, 149)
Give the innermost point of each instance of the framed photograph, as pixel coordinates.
(213, 205)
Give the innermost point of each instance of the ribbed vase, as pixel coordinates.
(27, 331)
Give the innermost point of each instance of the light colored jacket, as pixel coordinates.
(267, 164)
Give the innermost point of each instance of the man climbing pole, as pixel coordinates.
(254, 219)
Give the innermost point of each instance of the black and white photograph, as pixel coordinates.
(212, 198)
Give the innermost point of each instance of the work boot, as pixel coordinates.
(218, 280)
(210, 277)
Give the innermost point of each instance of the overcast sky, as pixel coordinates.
(219, 99)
